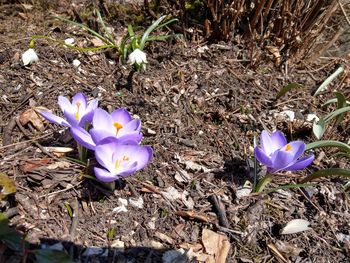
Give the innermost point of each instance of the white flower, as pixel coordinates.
(138, 57)
(29, 57)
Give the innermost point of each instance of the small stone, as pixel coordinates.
(76, 63)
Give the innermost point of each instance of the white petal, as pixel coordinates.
(138, 57)
(312, 117)
(296, 226)
(29, 57)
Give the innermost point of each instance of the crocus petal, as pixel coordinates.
(86, 118)
(126, 171)
(65, 105)
(131, 127)
(99, 134)
(92, 105)
(301, 164)
(140, 154)
(121, 116)
(281, 159)
(102, 120)
(262, 157)
(81, 99)
(296, 148)
(131, 137)
(83, 137)
(104, 175)
(71, 119)
(104, 154)
(278, 140)
(266, 143)
(54, 119)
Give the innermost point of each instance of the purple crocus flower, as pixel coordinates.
(277, 154)
(77, 113)
(120, 160)
(119, 124)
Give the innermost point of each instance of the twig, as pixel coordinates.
(7, 133)
(60, 191)
(73, 227)
(220, 209)
(344, 13)
(17, 143)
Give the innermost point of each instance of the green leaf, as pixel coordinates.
(69, 209)
(326, 173)
(335, 113)
(9, 236)
(328, 102)
(329, 80)
(7, 184)
(52, 256)
(149, 31)
(263, 182)
(341, 103)
(105, 29)
(328, 143)
(318, 128)
(93, 32)
(287, 88)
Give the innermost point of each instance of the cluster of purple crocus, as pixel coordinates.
(277, 154)
(114, 137)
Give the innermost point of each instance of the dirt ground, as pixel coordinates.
(200, 107)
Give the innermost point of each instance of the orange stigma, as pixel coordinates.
(118, 126)
(288, 147)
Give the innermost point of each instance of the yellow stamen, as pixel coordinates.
(288, 147)
(119, 162)
(118, 126)
(77, 114)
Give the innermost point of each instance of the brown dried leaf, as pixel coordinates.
(31, 165)
(97, 42)
(195, 215)
(216, 244)
(31, 116)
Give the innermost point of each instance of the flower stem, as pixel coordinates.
(263, 182)
(82, 151)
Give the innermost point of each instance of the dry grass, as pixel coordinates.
(288, 29)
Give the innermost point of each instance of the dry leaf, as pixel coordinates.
(216, 244)
(60, 164)
(296, 226)
(195, 215)
(31, 116)
(31, 165)
(97, 42)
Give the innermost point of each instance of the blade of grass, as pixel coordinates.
(263, 182)
(93, 32)
(104, 27)
(329, 80)
(326, 173)
(149, 30)
(287, 88)
(328, 143)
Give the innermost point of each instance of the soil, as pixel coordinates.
(201, 106)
